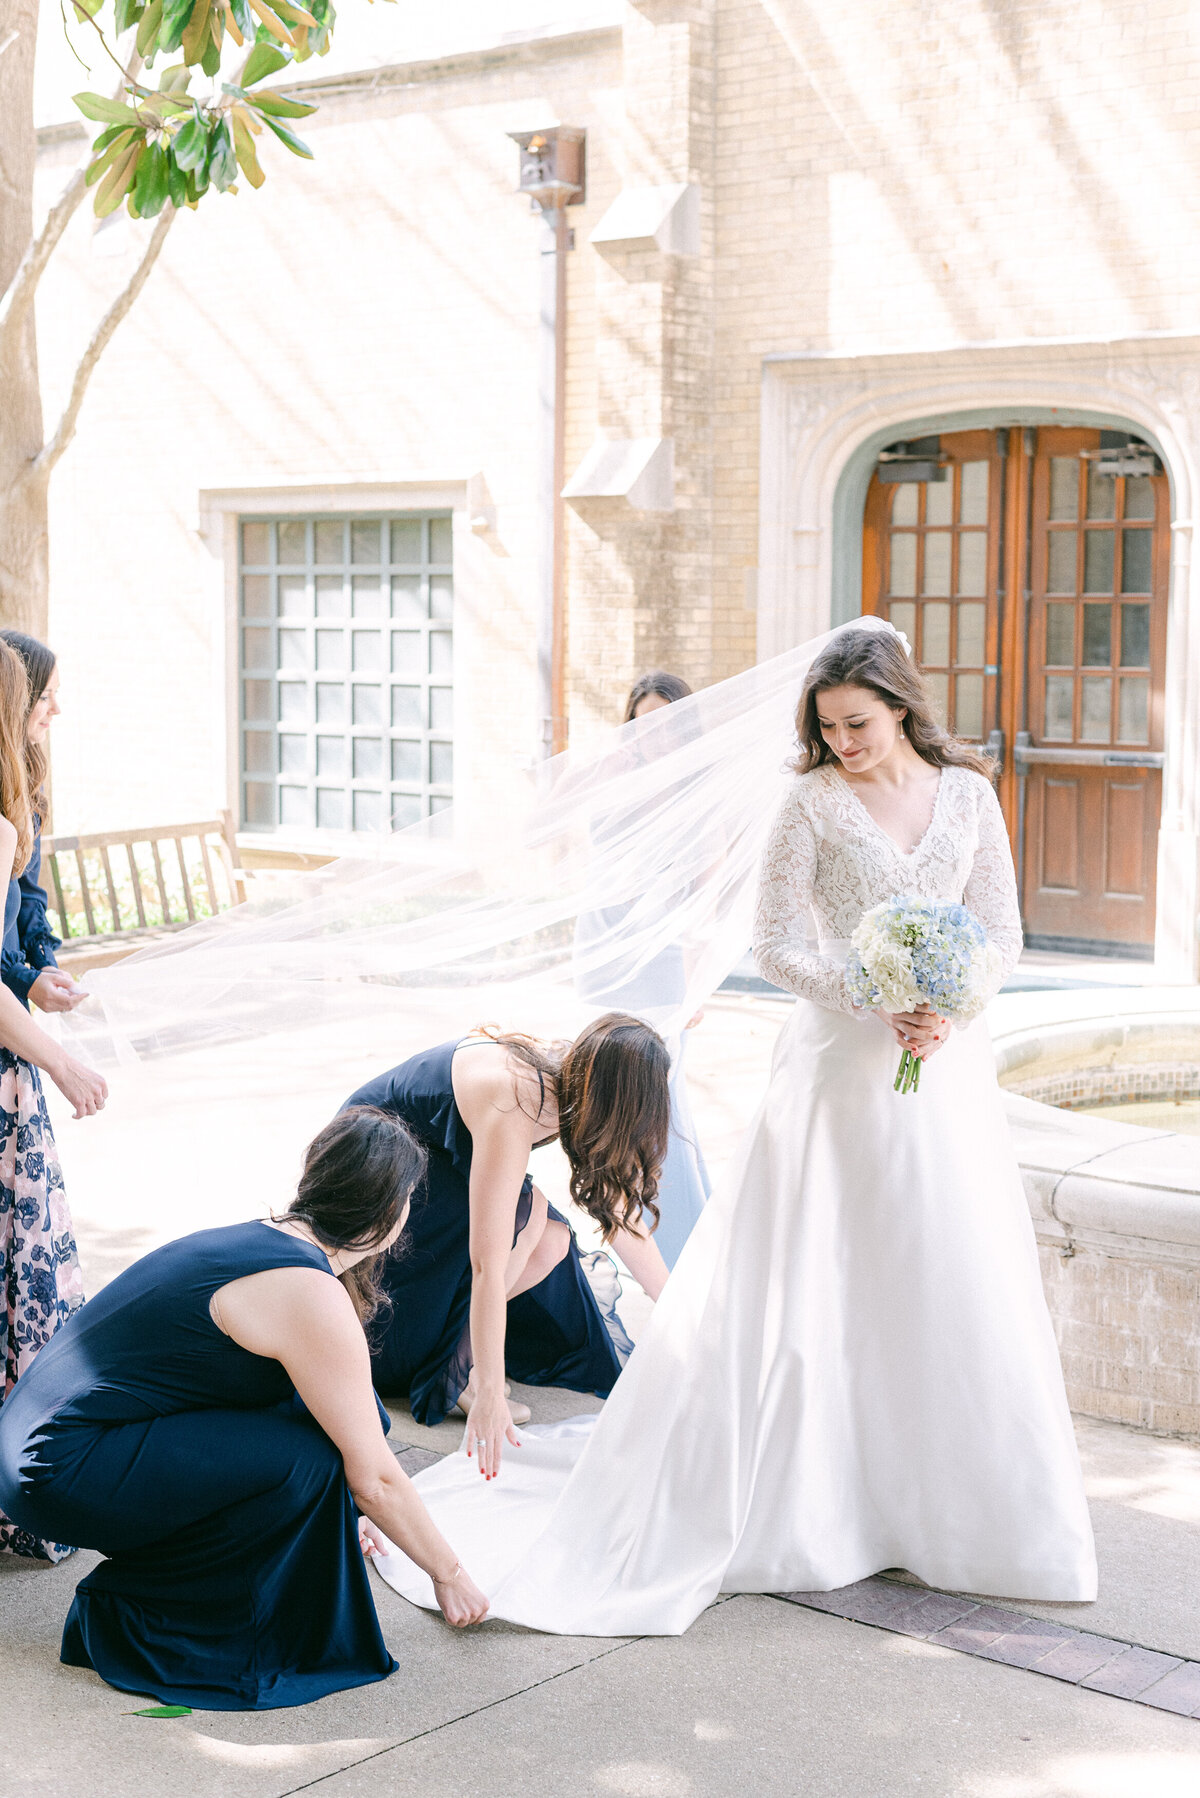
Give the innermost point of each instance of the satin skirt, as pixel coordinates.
(851, 1368)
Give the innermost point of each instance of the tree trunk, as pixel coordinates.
(24, 534)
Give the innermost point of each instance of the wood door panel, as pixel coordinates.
(1060, 835)
(1125, 839)
(1090, 843)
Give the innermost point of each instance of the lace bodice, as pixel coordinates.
(828, 861)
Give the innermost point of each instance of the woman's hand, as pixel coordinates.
(459, 1598)
(80, 1085)
(489, 1427)
(55, 991)
(371, 1539)
(922, 1031)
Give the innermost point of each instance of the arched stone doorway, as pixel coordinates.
(1029, 569)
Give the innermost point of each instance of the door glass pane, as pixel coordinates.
(1095, 714)
(973, 499)
(368, 758)
(939, 501)
(441, 597)
(407, 656)
(367, 652)
(332, 810)
(331, 596)
(1135, 636)
(293, 596)
(367, 811)
(1098, 562)
(256, 544)
(367, 708)
(292, 536)
(331, 702)
(406, 761)
(259, 753)
(406, 810)
(406, 540)
(441, 532)
(368, 596)
(364, 540)
(1060, 576)
(331, 758)
(1064, 487)
(1136, 561)
(441, 764)
(256, 702)
(972, 563)
(256, 596)
(256, 650)
(1101, 494)
(441, 707)
(935, 634)
(406, 706)
(258, 803)
(293, 702)
(971, 623)
(293, 649)
(903, 577)
(293, 754)
(1133, 711)
(904, 617)
(408, 605)
(1097, 636)
(441, 653)
(968, 705)
(937, 562)
(1060, 636)
(329, 540)
(904, 503)
(295, 807)
(1060, 697)
(1139, 496)
(331, 649)
(939, 685)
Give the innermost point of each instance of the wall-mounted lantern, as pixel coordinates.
(552, 171)
(917, 460)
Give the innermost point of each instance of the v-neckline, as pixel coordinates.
(906, 855)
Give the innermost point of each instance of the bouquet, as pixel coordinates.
(908, 952)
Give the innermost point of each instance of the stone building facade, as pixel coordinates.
(810, 238)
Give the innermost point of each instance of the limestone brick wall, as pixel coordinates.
(1127, 1332)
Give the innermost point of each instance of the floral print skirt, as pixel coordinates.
(39, 1264)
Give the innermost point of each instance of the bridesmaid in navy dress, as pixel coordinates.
(208, 1423)
(493, 1281)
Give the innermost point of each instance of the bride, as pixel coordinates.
(852, 1367)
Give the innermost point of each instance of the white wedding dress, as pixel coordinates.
(852, 1366)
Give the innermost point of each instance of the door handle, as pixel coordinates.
(1025, 755)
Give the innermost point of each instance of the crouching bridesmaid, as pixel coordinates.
(208, 1423)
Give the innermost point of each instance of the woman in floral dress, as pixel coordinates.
(39, 1266)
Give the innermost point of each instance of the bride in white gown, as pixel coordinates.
(852, 1366)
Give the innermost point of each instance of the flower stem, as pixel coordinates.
(901, 1071)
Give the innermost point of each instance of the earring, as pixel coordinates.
(900, 732)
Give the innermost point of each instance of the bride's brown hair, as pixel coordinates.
(614, 1112)
(14, 771)
(877, 661)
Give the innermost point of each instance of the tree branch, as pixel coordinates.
(44, 463)
(15, 305)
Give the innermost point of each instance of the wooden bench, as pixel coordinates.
(126, 886)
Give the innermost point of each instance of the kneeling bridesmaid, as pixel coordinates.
(208, 1423)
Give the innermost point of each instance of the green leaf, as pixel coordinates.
(222, 163)
(107, 137)
(175, 19)
(87, 9)
(115, 184)
(287, 137)
(241, 13)
(177, 183)
(267, 100)
(195, 39)
(190, 144)
(104, 162)
(264, 59)
(210, 62)
(147, 30)
(108, 112)
(127, 13)
(243, 145)
(162, 1710)
(151, 189)
(175, 80)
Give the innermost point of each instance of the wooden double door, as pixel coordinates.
(1030, 577)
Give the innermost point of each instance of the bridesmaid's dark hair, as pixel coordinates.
(40, 662)
(359, 1172)
(877, 661)
(614, 1112)
(658, 684)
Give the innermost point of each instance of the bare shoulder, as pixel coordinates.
(8, 833)
(263, 1312)
(486, 1084)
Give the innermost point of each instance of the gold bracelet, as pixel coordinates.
(450, 1577)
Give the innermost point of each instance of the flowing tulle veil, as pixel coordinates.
(586, 869)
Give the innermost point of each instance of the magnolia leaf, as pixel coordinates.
(294, 15)
(273, 24)
(175, 79)
(263, 60)
(103, 163)
(116, 182)
(231, 25)
(147, 30)
(127, 13)
(210, 61)
(195, 38)
(190, 145)
(241, 12)
(176, 17)
(243, 146)
(222, 163)
(87, 9)
(294, 144)
(177, 183)
(151, 188)
(278, 105)
(107, 137)
(108, 112)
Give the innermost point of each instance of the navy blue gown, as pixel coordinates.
(29, 943)
(563, 1332)
(234, 1578)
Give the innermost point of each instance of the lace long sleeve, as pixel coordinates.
(783, 917)
(991, 887)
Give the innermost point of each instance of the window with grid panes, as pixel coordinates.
(345, 636)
